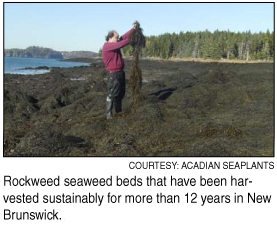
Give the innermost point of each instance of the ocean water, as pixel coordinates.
(13, 65)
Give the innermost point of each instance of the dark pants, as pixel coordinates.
(115, 92)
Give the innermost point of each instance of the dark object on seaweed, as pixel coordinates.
(137, 37)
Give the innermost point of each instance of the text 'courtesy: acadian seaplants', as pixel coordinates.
(164, 165)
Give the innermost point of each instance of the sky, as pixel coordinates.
(83, 26)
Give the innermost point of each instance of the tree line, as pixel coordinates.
(33, 52)
(41, 52)
(78, 54)
(210, 45)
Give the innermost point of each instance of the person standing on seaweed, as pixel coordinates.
(114, 64)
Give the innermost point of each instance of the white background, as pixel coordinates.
(264, 183)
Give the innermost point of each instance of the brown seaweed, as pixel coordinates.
(137, 42)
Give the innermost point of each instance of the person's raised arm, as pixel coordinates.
(127, 35)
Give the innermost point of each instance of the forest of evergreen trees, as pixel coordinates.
(208, 45)
(33, 51)
(41, 52)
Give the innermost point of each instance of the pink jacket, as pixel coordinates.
(111, 53)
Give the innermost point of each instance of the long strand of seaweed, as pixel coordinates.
(137, 42)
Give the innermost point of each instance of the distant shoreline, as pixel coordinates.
(92, 59)
(221, 61)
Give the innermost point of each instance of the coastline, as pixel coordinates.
(93, 59)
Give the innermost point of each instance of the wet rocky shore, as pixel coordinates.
(189, 109)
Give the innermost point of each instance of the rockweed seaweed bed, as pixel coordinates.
(189, 109)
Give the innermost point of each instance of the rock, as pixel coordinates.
(47, 141)
(35, 68)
